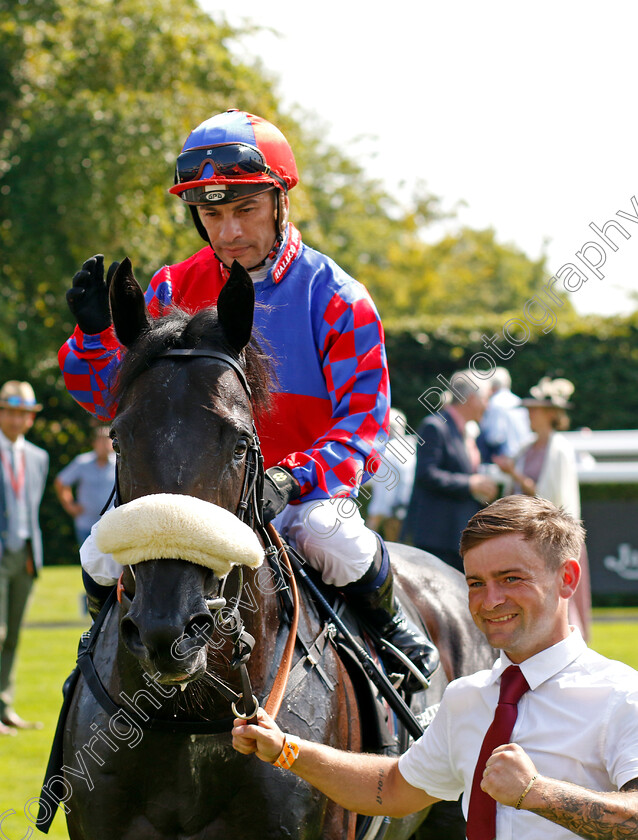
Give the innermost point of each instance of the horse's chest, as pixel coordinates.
(188, 787)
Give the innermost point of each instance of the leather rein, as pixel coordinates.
(244, 704)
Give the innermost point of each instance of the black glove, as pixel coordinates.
(88, 298)
(280, 488)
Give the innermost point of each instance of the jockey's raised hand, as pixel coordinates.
(88, 297)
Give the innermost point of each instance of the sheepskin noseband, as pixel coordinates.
(166, 525)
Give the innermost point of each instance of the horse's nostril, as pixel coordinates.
(200, 628)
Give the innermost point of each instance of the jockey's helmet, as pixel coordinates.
(229, 157)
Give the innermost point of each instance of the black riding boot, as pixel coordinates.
(373, 598)
(96, 594)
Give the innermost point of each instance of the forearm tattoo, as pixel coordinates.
(595, 816)
(380, 783)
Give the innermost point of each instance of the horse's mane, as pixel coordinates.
(181, 330)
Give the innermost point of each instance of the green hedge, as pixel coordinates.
(600, 356)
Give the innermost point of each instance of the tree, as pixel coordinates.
(96, 98)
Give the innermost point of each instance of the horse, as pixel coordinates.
(147, 750)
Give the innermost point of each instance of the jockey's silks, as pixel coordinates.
(330, 411)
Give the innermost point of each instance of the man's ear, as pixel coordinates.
(283, 209)
(570, 577)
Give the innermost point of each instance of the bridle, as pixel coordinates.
(249, 511)
(250, 500)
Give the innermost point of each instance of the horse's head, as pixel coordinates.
(183, 430)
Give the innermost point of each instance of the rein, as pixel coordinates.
(278, 690)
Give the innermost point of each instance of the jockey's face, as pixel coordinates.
(243, 230)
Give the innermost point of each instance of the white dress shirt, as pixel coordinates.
(578, 723)
(17, 510)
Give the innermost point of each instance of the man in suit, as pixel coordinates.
(448, 488)
(24, 469)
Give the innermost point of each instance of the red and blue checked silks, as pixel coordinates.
(329, 418)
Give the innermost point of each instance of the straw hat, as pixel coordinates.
(550, 393)
(18, 395)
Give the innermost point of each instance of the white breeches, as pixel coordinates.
(332, 536)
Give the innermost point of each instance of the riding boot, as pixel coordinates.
(96, 594)
(373, 598)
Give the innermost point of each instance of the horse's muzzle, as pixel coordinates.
(174, 648)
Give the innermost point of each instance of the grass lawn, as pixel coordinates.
(47, 655)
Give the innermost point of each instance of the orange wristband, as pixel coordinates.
(288, 754)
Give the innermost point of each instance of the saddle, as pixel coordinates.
(388, 720)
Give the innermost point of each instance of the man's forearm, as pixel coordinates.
(588, 814)
(365, 784)
(355, 781)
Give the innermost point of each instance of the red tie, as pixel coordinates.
(481, 818)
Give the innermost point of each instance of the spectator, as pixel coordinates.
(24, 471)
(392, 489)
(448, 487)
(92, 476)
(547, 467)
(505, 424)
(566, 765)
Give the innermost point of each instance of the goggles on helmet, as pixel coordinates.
(229, 160)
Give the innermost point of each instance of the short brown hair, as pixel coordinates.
(555, 534)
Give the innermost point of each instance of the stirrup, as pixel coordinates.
(407, 663)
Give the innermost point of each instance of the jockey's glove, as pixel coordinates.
(280, 488)
(88, 298)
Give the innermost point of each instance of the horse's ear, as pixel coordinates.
(128, 307)
(235, 307)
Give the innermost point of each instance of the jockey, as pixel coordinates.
(329, 419)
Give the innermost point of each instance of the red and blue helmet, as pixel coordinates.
(230, 156)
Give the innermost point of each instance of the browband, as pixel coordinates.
(195, 352)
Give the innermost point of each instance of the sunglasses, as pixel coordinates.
(229, 160)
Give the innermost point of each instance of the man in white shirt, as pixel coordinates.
(570, 767)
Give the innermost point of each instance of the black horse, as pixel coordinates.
(150, 766)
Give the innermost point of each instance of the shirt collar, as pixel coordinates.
(7, 444)
(546, 664)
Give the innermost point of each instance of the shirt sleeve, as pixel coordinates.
(621, 746)
(89, 363)
(427, 764)
(70, 474)
(351, 346)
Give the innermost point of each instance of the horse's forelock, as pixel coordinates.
(180, 330)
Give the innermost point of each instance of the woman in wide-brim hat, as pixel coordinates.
(547, 467)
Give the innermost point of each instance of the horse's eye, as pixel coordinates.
(116, 445)
(241, 447)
